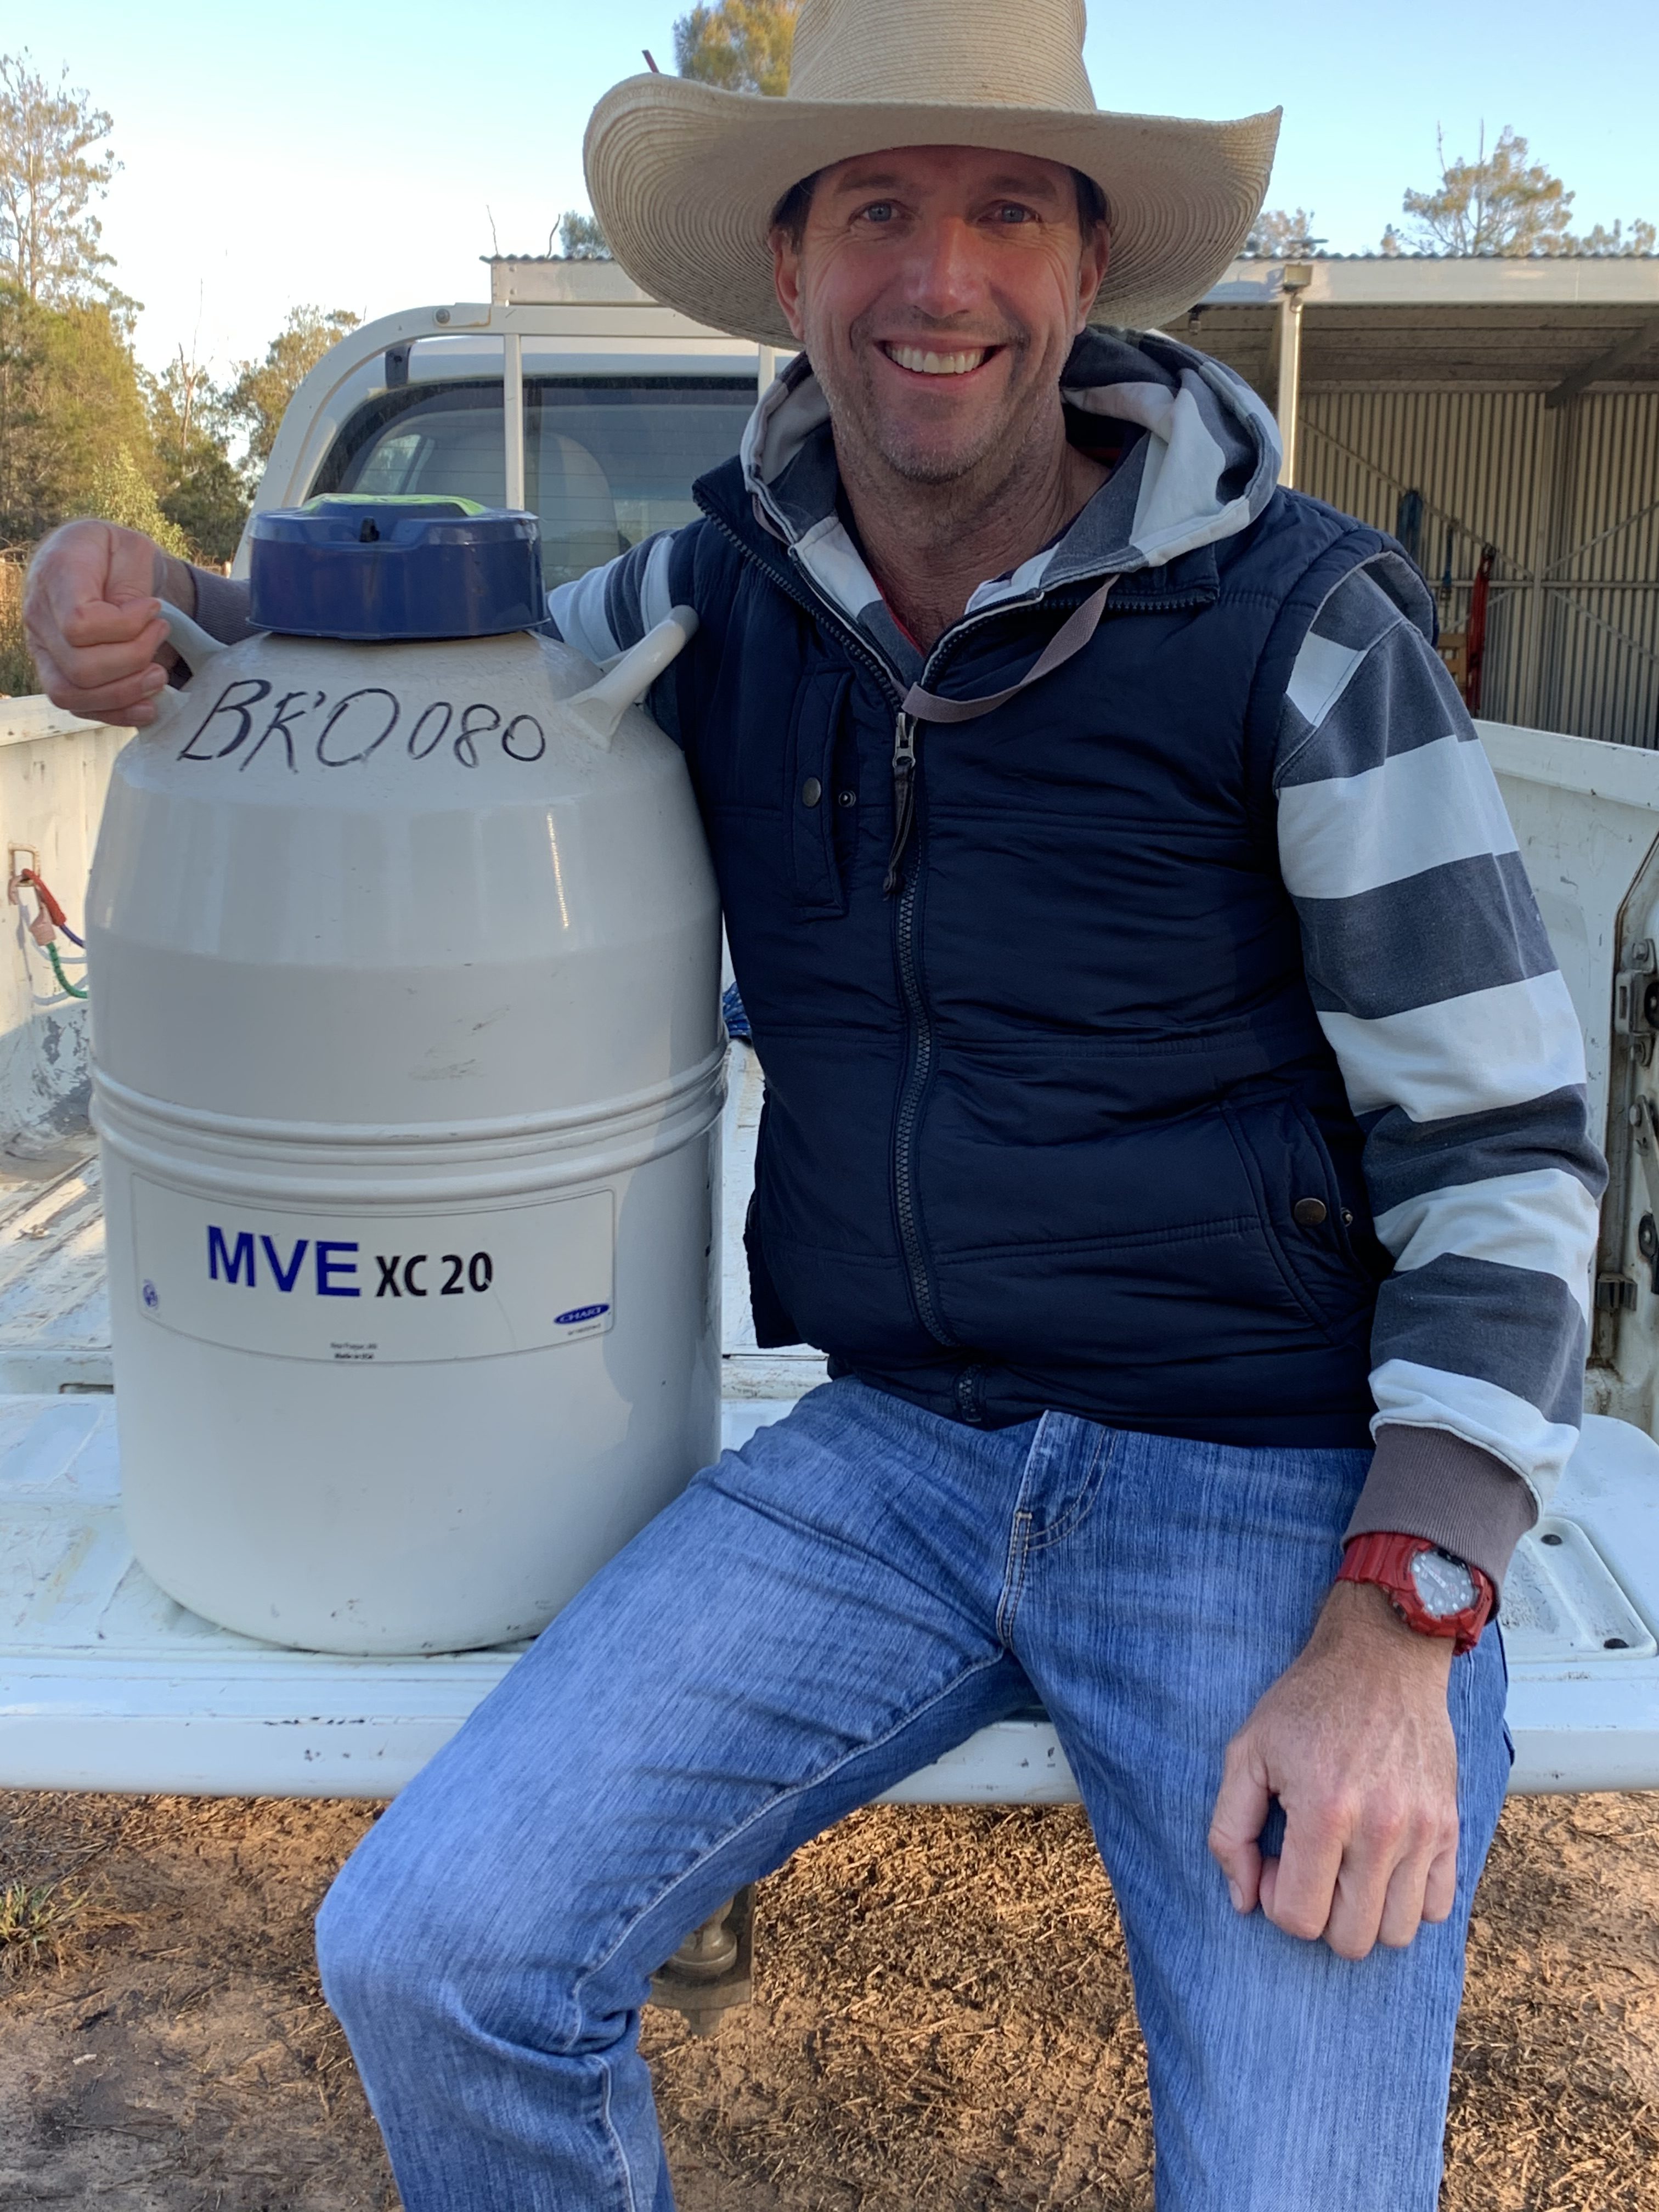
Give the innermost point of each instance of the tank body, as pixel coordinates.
(408, 1066)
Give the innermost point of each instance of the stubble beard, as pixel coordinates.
(868, 442)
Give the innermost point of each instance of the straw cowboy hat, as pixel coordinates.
(684, 178)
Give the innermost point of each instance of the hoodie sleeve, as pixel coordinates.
(609, 609)
(219, 603)
(1434, 981)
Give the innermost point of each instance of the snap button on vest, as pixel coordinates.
(847, 797)
(811, 792)
(1308, 1212)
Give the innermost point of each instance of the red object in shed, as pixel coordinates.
(1477, 649)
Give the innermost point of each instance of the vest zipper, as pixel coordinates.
(915, 1089)
(904, 926)
(904, 799)
(904, 748)
(915, 1008)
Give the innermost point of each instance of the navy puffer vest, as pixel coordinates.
(1036, 1127)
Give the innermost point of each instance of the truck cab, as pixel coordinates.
(572, 393)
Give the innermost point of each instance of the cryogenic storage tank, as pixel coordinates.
(405, 959)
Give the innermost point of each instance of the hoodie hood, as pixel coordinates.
(1203, 469)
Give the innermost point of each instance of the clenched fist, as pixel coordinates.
(92, 615)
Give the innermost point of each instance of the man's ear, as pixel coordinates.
(786, 279)
(1092, 273)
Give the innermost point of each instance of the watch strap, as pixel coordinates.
(1385, 1558)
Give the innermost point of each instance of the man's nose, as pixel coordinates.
(944, 276)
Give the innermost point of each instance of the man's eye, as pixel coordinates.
(1012, 211)
(877, 211)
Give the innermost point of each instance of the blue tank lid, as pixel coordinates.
(369, 569)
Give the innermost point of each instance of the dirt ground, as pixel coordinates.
(942, 2020)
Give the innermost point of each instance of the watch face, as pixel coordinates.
(1444, 1585)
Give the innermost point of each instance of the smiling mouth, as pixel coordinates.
(920, 362)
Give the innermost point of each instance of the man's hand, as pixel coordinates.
(1355, 1742)
(94, 620)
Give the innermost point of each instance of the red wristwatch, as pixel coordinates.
(1432, 1591)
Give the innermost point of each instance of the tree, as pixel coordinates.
(260, 395)
(121, 492)
(81, 431)
(70, 397)
(741, 46)
(1499, 203)
(1644, 238)
(48, 236)
(198, 486)
(1277, 236)
(580, 238)
(1503, 202)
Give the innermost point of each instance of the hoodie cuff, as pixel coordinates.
(1430, 1483)
(221, 606)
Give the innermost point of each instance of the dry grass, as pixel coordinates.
(943, 2020)
(37, 1925)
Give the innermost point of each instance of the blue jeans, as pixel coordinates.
(818, 1615)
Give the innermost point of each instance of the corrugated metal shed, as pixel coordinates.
(1520, 400)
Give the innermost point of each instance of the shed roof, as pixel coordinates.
(1539, 324)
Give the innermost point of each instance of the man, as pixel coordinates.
(1174, 1134)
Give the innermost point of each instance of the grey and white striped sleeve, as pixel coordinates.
(1434, 981)
(609, 609)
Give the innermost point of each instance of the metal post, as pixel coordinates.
(766, 367)
(1296, 278)
(513, 415)
(1534, 650)
(713, 1969)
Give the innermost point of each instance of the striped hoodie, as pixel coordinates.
(1434, 981)
(1427, 960)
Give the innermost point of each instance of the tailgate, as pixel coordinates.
(105, 1684)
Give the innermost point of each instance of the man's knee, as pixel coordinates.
(415, 1927)
(403, 1920)
(363, 1954)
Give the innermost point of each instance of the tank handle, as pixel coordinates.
(603, 705)
(188, 638)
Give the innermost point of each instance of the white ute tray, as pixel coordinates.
(106, 1684)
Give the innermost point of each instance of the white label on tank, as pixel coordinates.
(357, 1288)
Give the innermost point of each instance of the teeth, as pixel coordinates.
(936, 364)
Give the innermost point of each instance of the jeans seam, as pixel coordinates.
(1019, 1541)
(761, 1813)
(1080, 1505)
(609, 2125)
(1013, 1576)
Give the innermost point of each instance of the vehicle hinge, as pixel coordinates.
(1636, 1001)
(1643, 1114)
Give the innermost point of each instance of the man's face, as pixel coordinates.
(938, 290)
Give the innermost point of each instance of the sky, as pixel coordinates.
(357, 156)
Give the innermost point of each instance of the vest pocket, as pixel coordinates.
(1351, 1216)
(812, 795)
(1290, 1170)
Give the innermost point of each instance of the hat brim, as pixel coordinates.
(683, 178)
